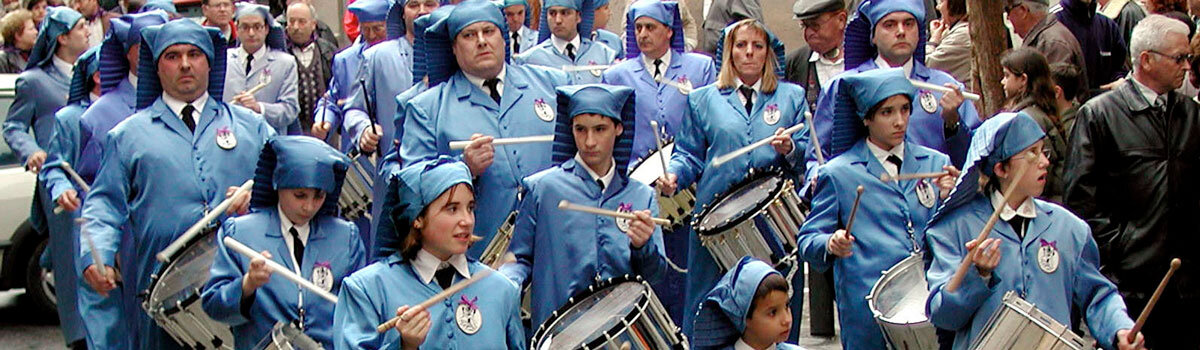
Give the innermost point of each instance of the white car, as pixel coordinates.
(20, 246)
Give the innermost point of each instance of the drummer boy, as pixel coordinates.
(747, 309)
(562, 253)
(295, 223)
(1038, 249)
(870, 120)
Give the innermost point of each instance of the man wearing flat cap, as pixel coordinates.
(823, 23)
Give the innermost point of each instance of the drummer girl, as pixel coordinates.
(747, 309)
(431, 205)
(294, 223)
(748, 102)
(870, 119)
(1040, 250)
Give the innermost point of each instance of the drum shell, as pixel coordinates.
(646, 327)
(355, 200)
(898, 303)
(285, 336)
(175, 304)
(1017, 324)
(677, 207)
(767, 233)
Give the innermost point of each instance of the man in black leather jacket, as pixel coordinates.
(1133, 175)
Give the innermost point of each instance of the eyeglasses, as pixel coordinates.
(1179, 59)
(814, 23)
(252, 27)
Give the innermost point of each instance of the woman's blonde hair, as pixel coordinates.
(14, 23)
(728, 78)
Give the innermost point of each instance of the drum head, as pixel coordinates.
(285, 336)
(187, 271)
(899, 296)
(650, 168)
(592, 314)
(744, 200)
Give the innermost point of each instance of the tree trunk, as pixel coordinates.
(989, 40)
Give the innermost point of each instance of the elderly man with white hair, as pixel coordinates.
(1131, 176)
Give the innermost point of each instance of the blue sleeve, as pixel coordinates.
(61, 149)
(1104, 308)
(968, 120)
(20, 119)
(283, 112)
(420, 140)
(824, 219)
(358, 251)
(823, 122)
(946, 310)
(796, 158)
(106, 209)
(327, 109)
(222, 294)
(514, 328)
(691, 146)
(522, 244)
(710, 74)
(650, 260)
(355, 318)
(356, 118)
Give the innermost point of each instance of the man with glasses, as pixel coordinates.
(261, 75)
(219, 14)
(1131, 176)
(1037, 29)
(823, 23)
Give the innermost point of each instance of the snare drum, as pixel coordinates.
(758, 217)
(285, 336)
(898, 302)
(173, 299)
(676, 208)
(355, 199)
(619, 313)
(1019, 325)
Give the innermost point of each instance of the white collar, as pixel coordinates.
(93, 97)
(756, 85)
(908, 66)
(1025, 210)
(1146, 92)
(478, 81)
(286, 224)
(262, 51)
(819, 58)
(427, 265)
(63, 67)
(176, 105)
(881, 154)
(649, 62)
(607, 178)
(741, 345)
(561, 44)
(133, 80)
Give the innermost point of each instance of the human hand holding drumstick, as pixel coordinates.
(1132, 339)
(408, 315)
(842, 241)
(990, 253)
(413, 325)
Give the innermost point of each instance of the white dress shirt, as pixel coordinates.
(285, 225)
(908, 66)
(176, 105)
(666, 62)
(605, 179)
(427, 265)
(479, 81)
(561, 44)
(753, 97)
(881, 155)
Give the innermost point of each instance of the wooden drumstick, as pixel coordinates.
(458, 145)
(566, 205)
(724, 158)
(83, 186)
(682, 88)
(1141, 320)
(658, 141)
(854, 209)
(424, 305)
(278, 269)
(961, 273)
(812, 134)
(914, 176)
(165, 254)
(91, 245)
(570, 68)
(927, 86)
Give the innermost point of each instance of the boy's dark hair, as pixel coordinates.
(1066, 76)
(772, 283)
(875, 109)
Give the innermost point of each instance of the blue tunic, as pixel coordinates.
(716, 123)
(660, 102)
(924, 128)
(64, 234)
(332, 243)
(382, 245)
(456, 109)
(589, 53)
(564, 252)
(150, 181)
(1075, 284)
(889, 226)
(329, 109)
(279, 99)
(610, 39)
(40, 92)
(103, 114)
(387, 71)
(371, 296)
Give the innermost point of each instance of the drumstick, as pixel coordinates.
(371, 115)
(722, 159)
(658, 141)
(854, 209)
(1141, 320)
(266, 80)
(570, 68)
(682, 89)
(903, 177)
(959, 274)
(566, 205)
(391, 323)
(458, 145)
(66, 167)
(279, 269)
(91, 245)
(165, 254)
(812, 133)
(927, 86)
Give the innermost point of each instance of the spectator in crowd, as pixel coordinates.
(219, 14)
(1067, 85)
(94, 18)
(314, 58)
(323, 30)
(1104, 49)
(814, 65)
(38, 8)
(1030, 90)
(19, 33)
(1126, 13)
(1039, 30)
(720, 13)
(949, 47)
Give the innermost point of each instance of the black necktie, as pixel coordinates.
(892, 158)
(601, 183)
(516, 42)
(444, 276)
(749, 94)
(657, 67)
(297, 245)
(1018, 224)
(187, 113)
(571, 51)
(249, 59)
(491, 84)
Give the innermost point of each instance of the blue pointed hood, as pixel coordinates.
(440, 36)
(856, 94)
(721, 319)
(420, 66)
(665, 12)
(616, 102)
(289, 162)
(123, 33)
(370, 10)
(276, 39)
(81, 76)
(861, 29)
(156, 39)
(412, 188)
(507, 3)
(58, 21)
(587, 15)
